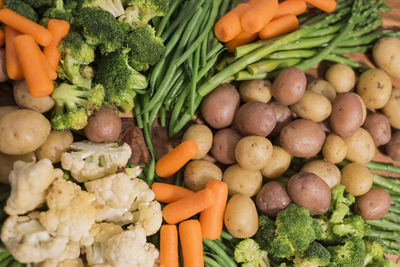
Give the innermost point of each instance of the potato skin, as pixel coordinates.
(391, 109)
(312, 106)
(342, 77)
(240, 217)
(56, 143)
(356, 178)
(283, 116)
(7, 109)
(272, 198)
(325, 170)
(334, 149)
(374, 87)
(277, 164)
(393, 147)
(289, 86)
(386, 54)
(255, 118)
(253, 152)
(255, 90)
(242, 181)
(322, 87)
(360, 147)
(374, 204)
(199, 172)
(378, 126)
(7, 162)
(202, 136)
(104, 125)
(219, 107)
(25, 100)
(224, 143)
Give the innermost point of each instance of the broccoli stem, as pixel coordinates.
(385, 224)
(382, 167)
(245, 76)
(220, 252)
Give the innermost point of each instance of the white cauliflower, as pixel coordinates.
(71, 212)
(29, 182)
(69, 255)
(90, 161)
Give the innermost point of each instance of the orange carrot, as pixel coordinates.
(1, 3)
(228, 27)
(51, 72)
(192, 243)
(168, 193)
(2, 38)
(39, 33)
(13, 67)
(294, 7)
(169, 246)
(324, 5)
(187, 207)
(242, 39)
(59, 29)
(36, 76)
(279, 26)
(258, 15)
(211, 219)
(170, 163)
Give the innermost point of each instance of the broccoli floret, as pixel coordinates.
(60, 10)
(140, 12)
(314, 256)
(248, 253)
(115, 7)
(327, 235)
(374, 250)
(39, 3)
(351, 226)
(137, 65)
(340, 204)
(266, 232)
(349, 254)
(74, 104)
(22, 9)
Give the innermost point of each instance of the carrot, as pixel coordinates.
(169, 246)
(39, 33)
(50, 72)
(258, 15)
(192, 243)
(294, 7)
(242, 39)
(211, 219)
(2, 38)
(228, 27)
(1, 3)
(30, 58)
(13, 67)
(185, 208)
(170, 163)
(324, 5)
(279, 26)
(168, 193)
(59, 29)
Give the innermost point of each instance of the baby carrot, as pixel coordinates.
(192, 243)
(13, 67)
(1, 3)
(36, 76)
(324, 5)
(169, 246)
(258, 15)
(242, 39)
(51, 72)
(279, 26)
(59, 29)
(228, 27)
(39, 33)
(168, 193)
(2, 38)
(170, 163)
(294, 7)
(187, 207)
(211, 219)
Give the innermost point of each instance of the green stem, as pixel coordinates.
(343, 60)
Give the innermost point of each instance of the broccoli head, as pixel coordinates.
(22, 8)
(351, 226)
(350, 253)
(374, 251)
(327, 235)
(115, 7)
(315, 255)
(39, 3)
(59, 10)
(248, 253)
(266, 232)
(340, 203)
(140, 12)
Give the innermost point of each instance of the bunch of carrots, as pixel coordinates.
(263, 19)
(24, 57)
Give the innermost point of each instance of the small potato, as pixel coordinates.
(104, 125)
(242, 181)
(325, 170)
(374, 87)
(342, 77)
(199, 172)
(393, 147)
(312, 106)
(56, 143)
(272, 198)
(241, 218)
(25, 100)
(364, 109)
(255, 118)
(374, 204)
(255, 90)
(356, 178)
(378, 126)
(253, 152)
(277, 164)
(334, 149)
(391, 109)
(386, 54)
(202, 136)
(360, 147)
(322, 87)
(224, 143)
(7, 162)
(283, 116)
(219, 107)
(289, 86)
(7, 109)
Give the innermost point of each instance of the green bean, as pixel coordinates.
(165, 19)
(203, 53)
(215, 50)
(137, 110)
(150, 172)
(194, 80)
(175, 91)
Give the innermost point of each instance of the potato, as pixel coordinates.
(7, 109)
(3, 72)
(356, 178)
(374, 87)
(364, 109)
(289, 86)
(7, 162)
(322, 87)
(104, 126)
(393, 147)
(199, 172)
(325, 170)
(56, 143)
(277, 164)
(253, 152)
(255, 90)
(255, 118)
(391, 109)
(342, 77)
(283, 116)
(302, 138)
(347, 114)
(386, 54)
(374, 204)
(334, 149)
(23, 131)
(224, 143)
(312, 106)
(219, 107)
(272, 198)
(242, 181)
(202, 136)
(240, 217)
(378, 126)
(360, 147)
(309, 191)
(25, 100)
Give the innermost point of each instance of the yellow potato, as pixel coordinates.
(56, 143)
(360, 147)
(391, 109)
(25, 100)
(202, 136)
(242, 181)
(325, 170)
(386, 54)
(255, 90)
(278, 163)
(312, 106)
(357, 179)
(7, 162)
(374, 87)
(322, 87)
(199, 172)
(334, 149)
(342, 77)
(253, 152)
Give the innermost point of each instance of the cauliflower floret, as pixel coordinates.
(149, 216)
(29, 182)
(70, 254)
(71, 263)
(71, 213)
(90, 161)
(28, 241)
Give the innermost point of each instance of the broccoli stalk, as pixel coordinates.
(248, 253)
(315, 255)
(115, 7)
(140, 12)
(351, 226)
